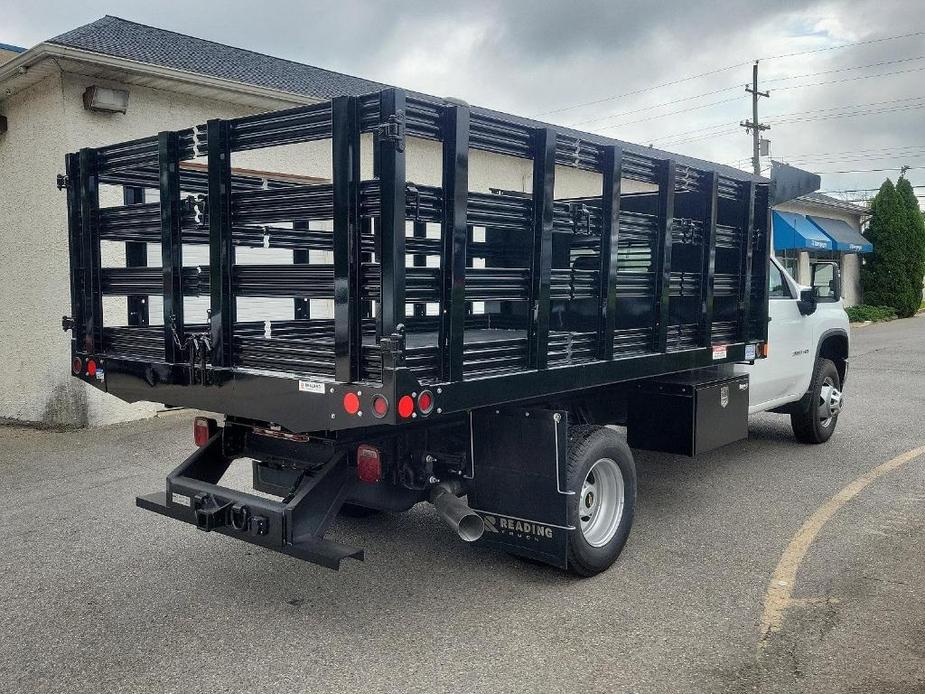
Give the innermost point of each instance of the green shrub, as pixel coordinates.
(864, 312)
(892, 274)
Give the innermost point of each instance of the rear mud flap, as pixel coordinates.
(518, 481)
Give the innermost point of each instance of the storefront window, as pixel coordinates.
(790, 260)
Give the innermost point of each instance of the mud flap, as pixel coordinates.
(518, 481)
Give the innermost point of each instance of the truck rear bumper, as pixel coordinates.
(294, 525)
(315, 550)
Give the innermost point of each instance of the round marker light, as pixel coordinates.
(91, 367)
(351, 403)
(78, 365)
(380, 406)
(405, 406)
(426, 402)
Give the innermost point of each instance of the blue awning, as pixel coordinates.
(794, 231)
(843, 235)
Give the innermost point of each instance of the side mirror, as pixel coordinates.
(807, 302)
(826, 281)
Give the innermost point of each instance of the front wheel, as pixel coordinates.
(602, 474)
(816, 423)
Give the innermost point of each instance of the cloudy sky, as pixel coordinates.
(845, 76)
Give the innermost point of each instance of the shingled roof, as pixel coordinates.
(127, 40)
(132, 41)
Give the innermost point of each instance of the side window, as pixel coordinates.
(777, 287)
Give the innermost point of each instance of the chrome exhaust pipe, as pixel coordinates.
(455, 512)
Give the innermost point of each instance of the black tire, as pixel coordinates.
(354, 511)
(587, 446)
(810, 425)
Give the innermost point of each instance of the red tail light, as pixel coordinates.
(351, 403)
(91, 367)
(203, 430)
(78, 365)
(369, 464)
(405, 406)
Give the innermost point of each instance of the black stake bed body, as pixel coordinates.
(447, 300)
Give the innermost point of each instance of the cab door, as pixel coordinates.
(781, 374)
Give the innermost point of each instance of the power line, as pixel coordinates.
(672, 83)
(644, 89)
(670, 113)
(850, 79)
(776, 79)
(789, 117)
(860, 171)
(845, 45)
(846, 69)
(655, 106)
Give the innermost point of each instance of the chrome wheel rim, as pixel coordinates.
(600, 505)
(830, 402)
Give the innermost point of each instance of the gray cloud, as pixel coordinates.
(535, 57)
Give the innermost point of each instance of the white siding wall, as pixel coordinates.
(47, 121)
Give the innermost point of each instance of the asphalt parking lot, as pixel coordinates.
(99, 596)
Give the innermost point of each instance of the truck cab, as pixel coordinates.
(807, 341)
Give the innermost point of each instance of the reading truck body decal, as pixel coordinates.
(518, 527)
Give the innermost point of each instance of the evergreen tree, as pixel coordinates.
(892, 274)
(915, 240)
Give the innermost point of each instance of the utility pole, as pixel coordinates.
(753, 126)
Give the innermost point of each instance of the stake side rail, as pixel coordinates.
(478, 298)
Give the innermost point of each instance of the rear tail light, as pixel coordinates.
(380, 406)
(405, 406)
(351, 403)
(426, 402)
(91, 367)
(204, 429)
(77, 365)
(369, 463)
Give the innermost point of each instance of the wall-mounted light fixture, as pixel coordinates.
(106, 100)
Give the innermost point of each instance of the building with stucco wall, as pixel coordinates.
(173, 81)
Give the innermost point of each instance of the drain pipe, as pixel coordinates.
(455, 512)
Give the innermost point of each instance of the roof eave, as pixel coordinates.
(45, 51)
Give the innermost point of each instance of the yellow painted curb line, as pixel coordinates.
(780, 591)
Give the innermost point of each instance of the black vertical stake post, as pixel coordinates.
(300, 256)
(392, 214)
(171, 242)
(612, 163)
(345, 143)
(666, 186)
(455, 239)
(136, 255)
(420, 260)
(75, 255)
(708, 271)
(748, 232)
(544, 180)
(221, 244)
(90, 252)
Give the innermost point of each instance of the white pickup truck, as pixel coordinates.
(807, 359)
